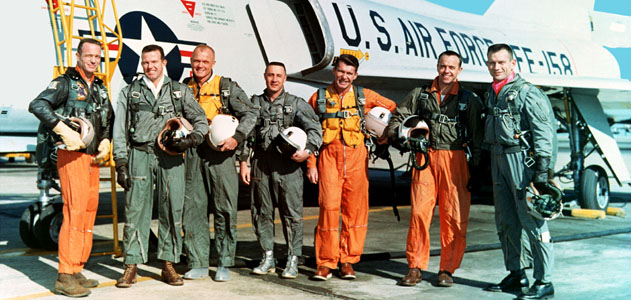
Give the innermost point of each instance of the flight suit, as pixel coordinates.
(343, 178)
(137, 130)
(71, 96)
(212, 176)
(531, 111)
(445, 179)
(277, 180)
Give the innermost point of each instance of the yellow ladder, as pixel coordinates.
(66, 19)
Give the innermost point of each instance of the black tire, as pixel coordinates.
(29, 217)
(47, 228)
(594, 193)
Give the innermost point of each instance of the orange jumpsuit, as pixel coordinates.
(443, 181)
(79, 180)
(343, 180)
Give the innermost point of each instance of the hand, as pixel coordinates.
(122, 176)
(541, 170)
(300, 156)
(312, 175)
(104, 151)
(180, 145)
(244, 173)
(71, 138)
(228, 144)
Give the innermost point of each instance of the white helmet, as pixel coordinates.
(175, 128)
(413, 126)
(377, 120)
(221, 127)
(546, 206)
(85, 129)
(291, 140)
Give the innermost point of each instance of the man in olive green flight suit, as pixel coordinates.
(520, 133)
(211, 174)
(142, 112)
(277, 178)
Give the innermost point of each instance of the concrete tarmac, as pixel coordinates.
(593, 256)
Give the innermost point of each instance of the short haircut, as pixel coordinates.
(151, 48)
(276, 63)
(87, 41)
(499, 47)
(452, 53)
(204, 47)
(347, 59)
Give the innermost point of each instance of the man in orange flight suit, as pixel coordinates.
(454, 118)
(342, 170)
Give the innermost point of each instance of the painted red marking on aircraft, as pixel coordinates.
(112, 47)
(190, 7)
(186, 53)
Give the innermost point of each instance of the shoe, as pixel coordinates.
(169, 275)
(129, 277)
(222, 274)
(516, 281)
(267, 266)
(323, 273)
(539, 290)
(444, 279)
(346, 271)
(196, 273)
(84, 282)
(412, 278)
(67, 285)
(291, 270)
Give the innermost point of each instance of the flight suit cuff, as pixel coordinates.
(120, 161)
(240, 137)
(312, 161)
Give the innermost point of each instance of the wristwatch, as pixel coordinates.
(308, 151)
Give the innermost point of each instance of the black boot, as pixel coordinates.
(539, 290)
(516, 281)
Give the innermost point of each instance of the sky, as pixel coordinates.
(623, 55)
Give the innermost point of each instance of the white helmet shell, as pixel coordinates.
(413, 126)
(377, 120)
(85, 129)
(221, 127)
(291, 140)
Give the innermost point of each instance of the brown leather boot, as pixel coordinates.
(169, 275)
(412, 278)
(129, 277)
(68, 286)
(84, 282)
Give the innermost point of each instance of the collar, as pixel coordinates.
(436, 89)
(155, 90)
(497, 86)
(88, 80)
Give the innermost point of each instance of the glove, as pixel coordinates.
(541, 173)
(474, 178)
(104, 150)
(122, 176)
(71, 138)
(180, 145)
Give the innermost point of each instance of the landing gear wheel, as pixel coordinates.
(29, 217)
(594, 193)
(47, 228)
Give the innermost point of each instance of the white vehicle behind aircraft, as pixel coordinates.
(558, 46)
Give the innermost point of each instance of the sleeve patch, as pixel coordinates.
(53, 85)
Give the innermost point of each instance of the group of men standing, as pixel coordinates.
(185, 174)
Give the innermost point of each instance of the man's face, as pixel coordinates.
(89, 59)
(344, 76)
(153, 65)
(202, 62)
(448, 69)
(500, 65)
(275, 78)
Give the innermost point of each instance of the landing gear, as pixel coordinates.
(41, 221)
(594, 188)
(47, 228)
(29, 216)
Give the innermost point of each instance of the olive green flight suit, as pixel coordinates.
(135, 135)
